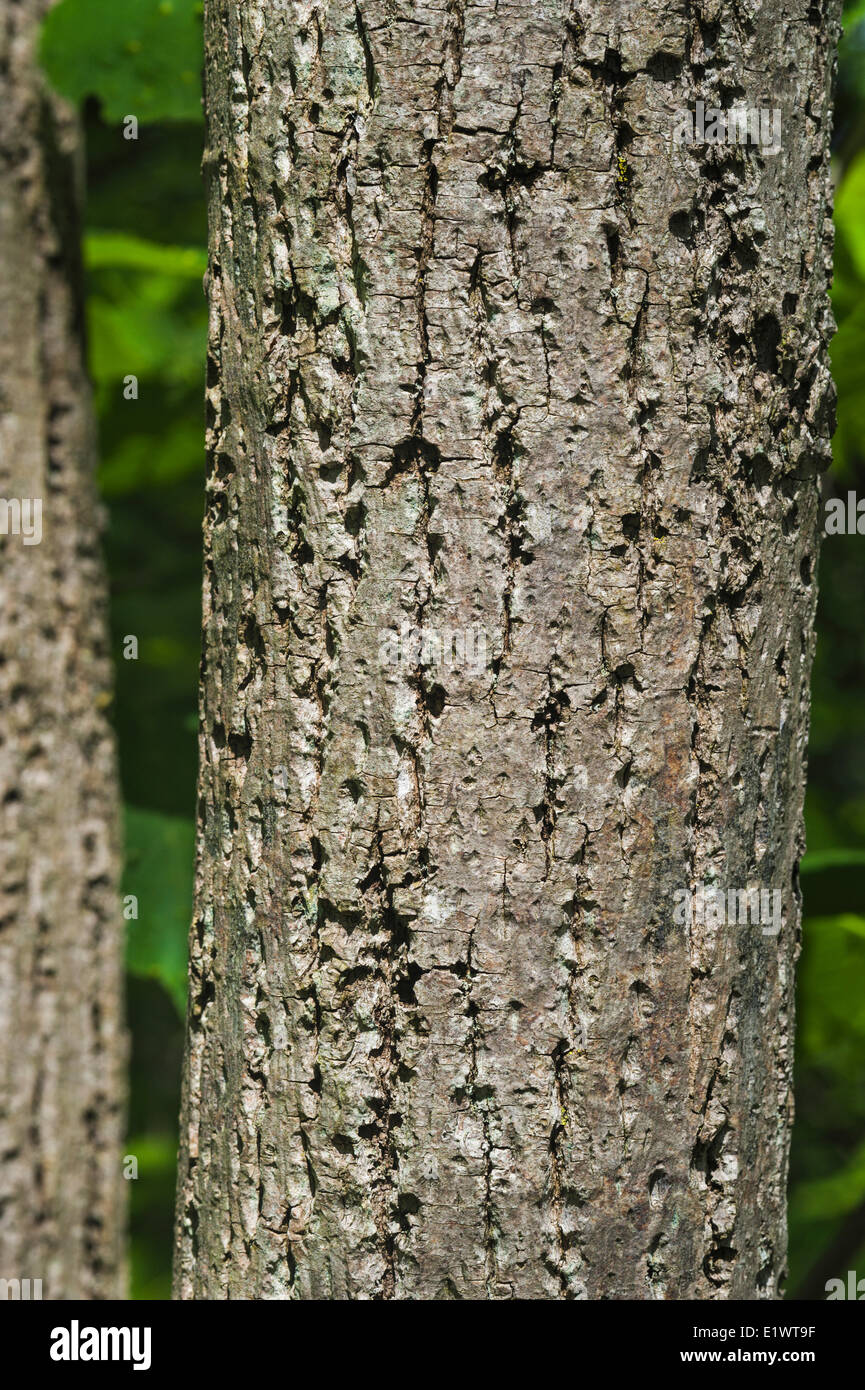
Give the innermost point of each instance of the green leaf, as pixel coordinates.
(156, 1153)
(159, 869)
(119, 250)
(141, 58)
(832, 1004)
(148, 329)
(147, 314)
(832, 859)
(151, 1202)
(849, 205)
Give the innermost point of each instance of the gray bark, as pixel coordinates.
(62, 1041)
(489, 351)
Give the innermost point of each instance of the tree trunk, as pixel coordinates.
(497, 360)
(62, 1041)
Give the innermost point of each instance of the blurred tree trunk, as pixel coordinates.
(493, 356)
(62, 1041)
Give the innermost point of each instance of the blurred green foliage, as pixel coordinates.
(147, 318)
(139, 57)
(158, 874)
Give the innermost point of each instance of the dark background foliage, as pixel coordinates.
(145, 259)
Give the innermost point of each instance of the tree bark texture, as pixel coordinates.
(62, 1040)
(491, 351)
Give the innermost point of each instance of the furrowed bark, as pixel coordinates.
(492, 353)
(62, 1041)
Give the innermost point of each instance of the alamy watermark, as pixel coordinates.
(77, 1343)
(845, 518)
(741, 125)
(434, 648)
(854, 1288)
(21, 516)
(20, 1290)
(717, 907)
